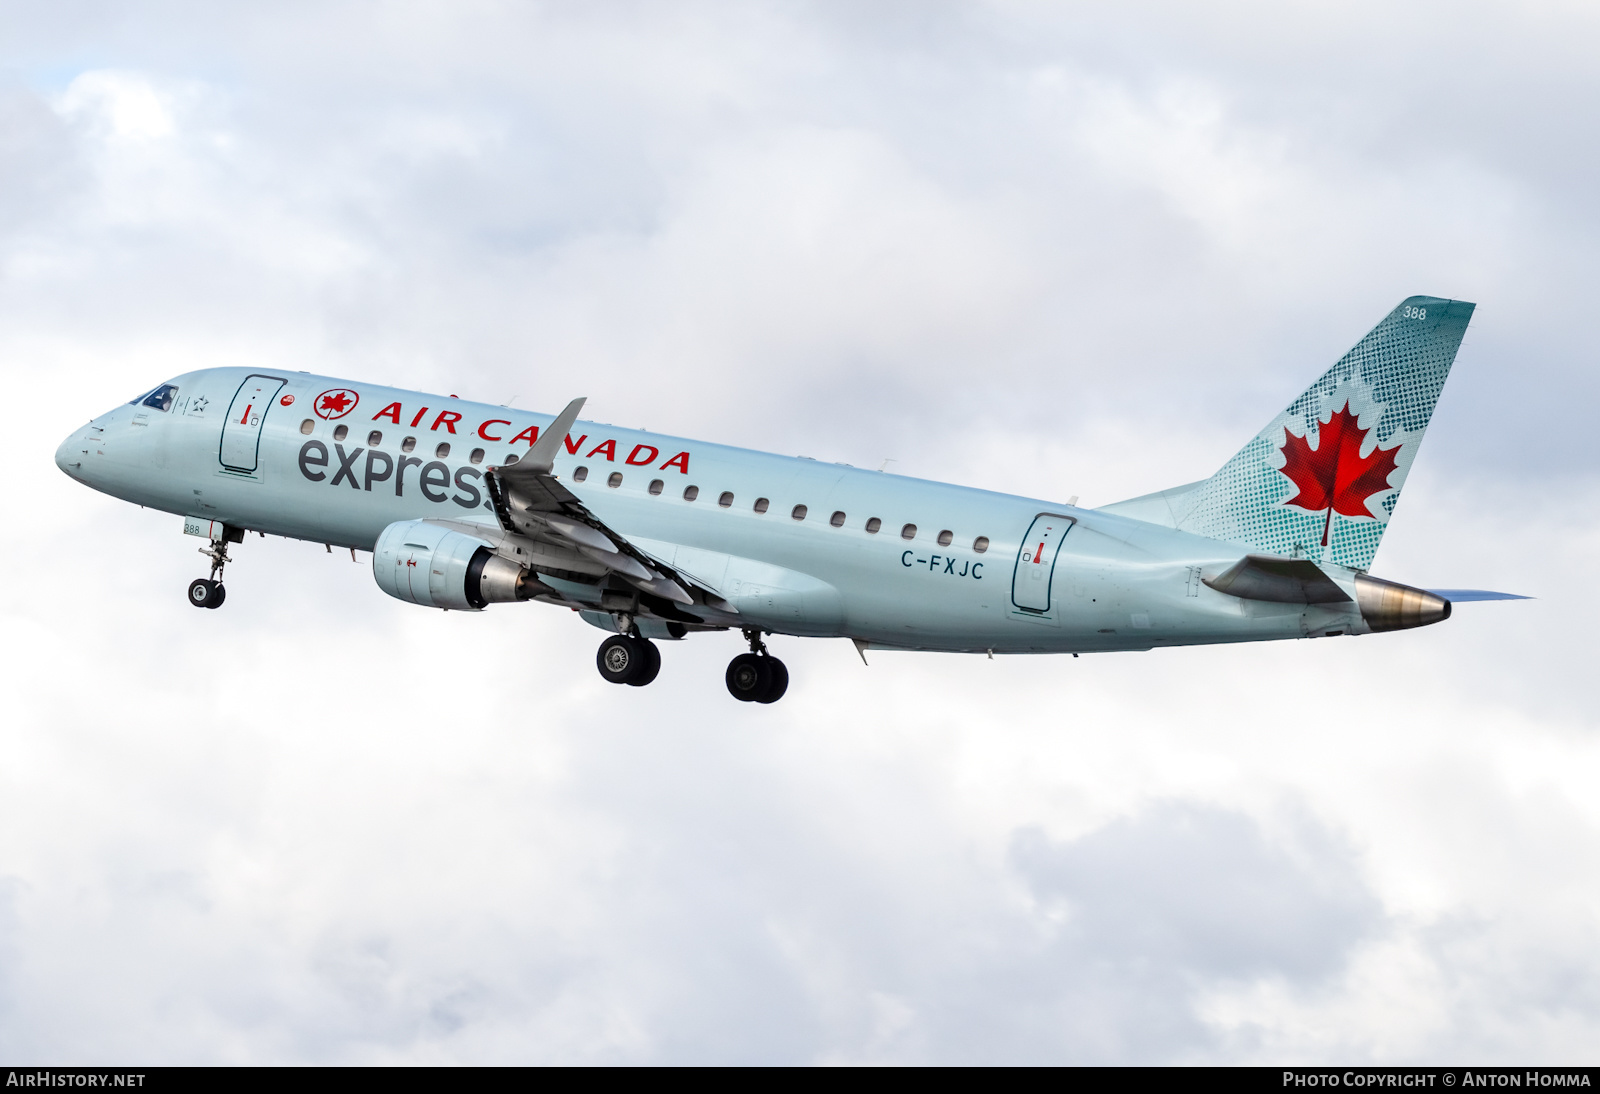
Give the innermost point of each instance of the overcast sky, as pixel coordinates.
(1051, 250)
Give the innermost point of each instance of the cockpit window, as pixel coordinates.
(161, 398)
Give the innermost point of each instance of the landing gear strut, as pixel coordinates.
(626, 659)
(205, 593)
(757, 676)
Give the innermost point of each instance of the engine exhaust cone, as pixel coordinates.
(1390, 606)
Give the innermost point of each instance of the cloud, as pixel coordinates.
(1200, 891)
(1154, 909)
(119, 106)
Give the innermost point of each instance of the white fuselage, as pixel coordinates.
(1077, 580)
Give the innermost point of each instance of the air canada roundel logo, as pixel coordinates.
(335, 403)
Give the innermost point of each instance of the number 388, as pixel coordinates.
(1415, 313)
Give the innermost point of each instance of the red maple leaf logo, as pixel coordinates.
(335, 403)
(1334, 475)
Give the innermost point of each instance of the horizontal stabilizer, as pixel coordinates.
(1461, 596)
(1281, 580)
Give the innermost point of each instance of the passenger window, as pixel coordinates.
(945, 537)
(615, 480)
(656, 486)
(799, 512)
(690, 493)
(440, 453)
(726, 499)
(161, 398)
(909, 532)
(340, 432)
(981, 544)
(511, 458)
(408, 445)
(477, 455)
(837, 520)
(374, 439)
(762, 505)
(873, 525)
(307, 426)
(579, 474)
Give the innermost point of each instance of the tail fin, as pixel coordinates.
(1321, 480)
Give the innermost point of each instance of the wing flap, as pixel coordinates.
(530, 501)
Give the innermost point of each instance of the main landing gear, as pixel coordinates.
(757, 676)
(624, 659)
(754, 677)
(205, 593)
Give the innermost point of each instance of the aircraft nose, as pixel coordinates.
(69, 457)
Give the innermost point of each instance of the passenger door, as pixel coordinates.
(241, 433)
(1036, 562)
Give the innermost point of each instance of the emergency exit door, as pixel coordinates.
(241, 433)
(1036, 562)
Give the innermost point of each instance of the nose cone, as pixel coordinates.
(69, 457)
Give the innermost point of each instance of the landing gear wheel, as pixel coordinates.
(652, 663)
(779, 682)
(624, 659)
(749, 677)
(206, 594)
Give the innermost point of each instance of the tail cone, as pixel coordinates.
(1390, 606)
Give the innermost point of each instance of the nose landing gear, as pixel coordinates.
(757, 676)
(206, 594)
(210, 593)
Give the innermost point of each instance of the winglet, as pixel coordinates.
(542, 456)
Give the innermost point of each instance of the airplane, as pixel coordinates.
(655, 538)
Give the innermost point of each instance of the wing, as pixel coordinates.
(530, 502)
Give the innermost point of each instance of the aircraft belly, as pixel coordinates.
(766, 595)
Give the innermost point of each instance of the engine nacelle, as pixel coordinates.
(423, 563)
